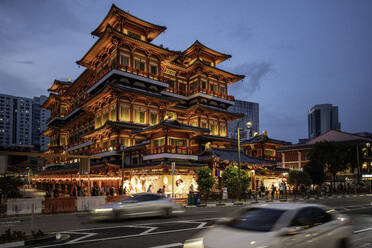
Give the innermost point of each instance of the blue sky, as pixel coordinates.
(295, 54)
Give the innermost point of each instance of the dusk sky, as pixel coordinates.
(295, 54)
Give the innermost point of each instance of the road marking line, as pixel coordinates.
(363, 230)
(80, 238)
(168, 245)
(149, 230)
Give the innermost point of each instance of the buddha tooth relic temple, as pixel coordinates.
(137, 108)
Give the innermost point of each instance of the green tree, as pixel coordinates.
(205, 180)
(230, 179)
(334, 157)
(315, 170)
(9, 187)
(297, 178)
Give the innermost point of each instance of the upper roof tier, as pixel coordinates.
(199, 51)
(131, 25)
(59, 86)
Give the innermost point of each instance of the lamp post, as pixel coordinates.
(368, 146)
(249, 126)
(122, 148)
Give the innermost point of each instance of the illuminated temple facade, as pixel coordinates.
(155, 105)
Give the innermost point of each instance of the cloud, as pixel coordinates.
(254, 74)
(13, 85)
(27, 62)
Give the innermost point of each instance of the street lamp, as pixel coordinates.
(249, 126)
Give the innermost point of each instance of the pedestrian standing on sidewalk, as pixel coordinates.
(262, 190)
(273, 189)
(281, 190)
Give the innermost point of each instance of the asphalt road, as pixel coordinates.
(77, 230)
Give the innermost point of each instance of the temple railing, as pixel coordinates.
(172, 149)
(205, 91)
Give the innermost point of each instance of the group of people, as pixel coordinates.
(273, 191)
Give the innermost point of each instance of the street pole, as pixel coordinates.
(239, 165)
(358, 164)
(173, 171)
(122, 170)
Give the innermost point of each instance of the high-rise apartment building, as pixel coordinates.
(251, 112)
(39, 118)
(22, 120)
(322, 118)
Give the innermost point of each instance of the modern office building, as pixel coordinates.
(322, 118)
(251, 112)
(21, 121)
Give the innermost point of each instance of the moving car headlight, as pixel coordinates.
(194, 243)
(102, 210)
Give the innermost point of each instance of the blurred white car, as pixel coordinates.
(139, 205)
(279, 225)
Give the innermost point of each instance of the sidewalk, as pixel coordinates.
(227, 203)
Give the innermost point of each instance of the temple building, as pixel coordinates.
(138, 107)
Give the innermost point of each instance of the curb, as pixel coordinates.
(27, 242)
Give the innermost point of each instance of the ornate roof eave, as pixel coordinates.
(57, 84)
(52, 97)
(197, 44)
(110, 32)
(232, 78)
(114, 11)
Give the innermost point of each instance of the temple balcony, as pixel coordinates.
(187, 95)
(173, 152)
(129, 72)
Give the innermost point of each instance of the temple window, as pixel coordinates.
(177, 142)
(63, 140)
(154, 69)
(158, 142)
(140, 64)
(213, 87)
(98, 121)
(124, 113)
(223, 90)
(137, 142)
(223, 129)
(113, 114)
(125, 142)
(213, 128)
(203, 124)
(193, 85)
(140, 115)
(171, 83)
(204, 84)
(105, 118)
(182, 88)
(194, 122)
(153, 117)
(124, 60)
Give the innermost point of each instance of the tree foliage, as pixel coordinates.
(299, 177)
(315, 170)
(335, 157)
(231, 181)
(9, 187)
(205, 179)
